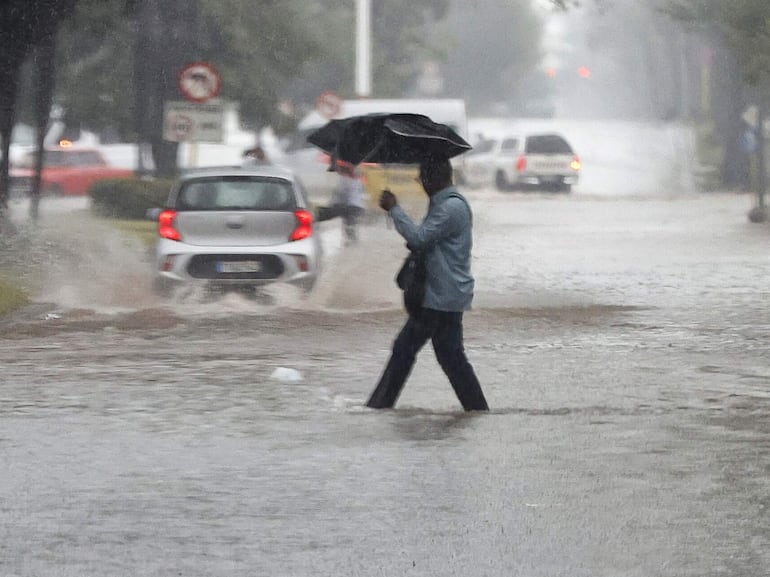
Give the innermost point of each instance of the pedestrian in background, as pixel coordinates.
(348, 201)
(255, 155)
(445, 236)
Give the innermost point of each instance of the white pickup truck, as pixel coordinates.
(533, 161)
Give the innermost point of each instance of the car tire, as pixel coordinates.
(501, 182)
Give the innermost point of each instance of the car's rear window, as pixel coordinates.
(547, 144)
(236, 193)
(509, 145)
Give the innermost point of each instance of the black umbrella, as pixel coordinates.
(388, 138)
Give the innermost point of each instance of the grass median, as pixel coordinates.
(144, 230)
(11, 297)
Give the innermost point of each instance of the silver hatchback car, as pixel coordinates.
(236, 228)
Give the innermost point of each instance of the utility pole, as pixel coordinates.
(762, 159)
(759, 212)
(363, 48)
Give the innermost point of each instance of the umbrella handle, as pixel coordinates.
(388, 218)
(374, 150)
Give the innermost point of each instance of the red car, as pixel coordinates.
(66, 171)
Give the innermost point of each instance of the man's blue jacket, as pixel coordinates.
(447, 234)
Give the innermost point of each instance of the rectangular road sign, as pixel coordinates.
(192, 122)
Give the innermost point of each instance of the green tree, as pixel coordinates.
(291, 49)
(747, 33)
(743, 26)
(491, 50)
(118, 60)
(23, 26)
(258, 50)
(401, 43)
(95, 67)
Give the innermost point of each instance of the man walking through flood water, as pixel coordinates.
(445, 236)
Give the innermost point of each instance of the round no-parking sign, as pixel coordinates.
(199, 82)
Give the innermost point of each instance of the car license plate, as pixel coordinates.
(238, 266)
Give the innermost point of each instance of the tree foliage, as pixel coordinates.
(258, 50)
(747, 32)
(400, 45)
(23, 26)
(744, 26)
(492, 49)
(95, 67)
(265, 53)
(117, 60)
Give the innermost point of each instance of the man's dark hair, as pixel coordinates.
(435, 174)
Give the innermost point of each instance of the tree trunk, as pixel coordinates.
(10, 70)
(7, 96)
(22, 25)
(46, 75)
(160, 56)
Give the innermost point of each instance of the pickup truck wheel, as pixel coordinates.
(500, 181)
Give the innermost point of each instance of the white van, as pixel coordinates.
(310, 164)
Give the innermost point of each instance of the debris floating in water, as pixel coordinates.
(286, 375)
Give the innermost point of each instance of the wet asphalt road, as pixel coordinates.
(623, 344)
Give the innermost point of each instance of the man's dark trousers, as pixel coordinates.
(445, 329)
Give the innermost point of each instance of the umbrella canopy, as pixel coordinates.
(398, 138)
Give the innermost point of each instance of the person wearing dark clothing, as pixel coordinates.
(445, 235)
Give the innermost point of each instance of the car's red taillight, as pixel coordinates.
(166, 225)
(304, 225)
(521, 164)
(576, 165)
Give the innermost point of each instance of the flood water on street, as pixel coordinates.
(622, 343)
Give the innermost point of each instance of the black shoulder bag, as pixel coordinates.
(411, 280)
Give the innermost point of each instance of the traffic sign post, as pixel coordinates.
(196, 120)
(190, 122)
